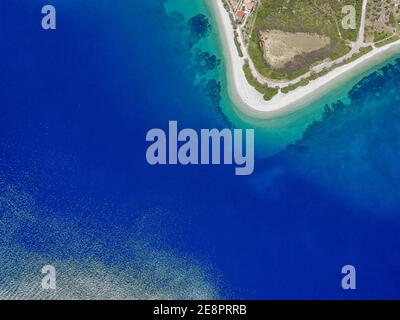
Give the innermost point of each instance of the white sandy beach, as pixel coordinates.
(252, 100)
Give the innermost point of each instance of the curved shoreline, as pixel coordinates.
(252, 102)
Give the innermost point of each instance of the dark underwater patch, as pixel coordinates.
(355, 149)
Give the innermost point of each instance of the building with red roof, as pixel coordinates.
(240, 15)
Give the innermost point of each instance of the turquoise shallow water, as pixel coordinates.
(76, 191)
(334, 168)
(272, 135)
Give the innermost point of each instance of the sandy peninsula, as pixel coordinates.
(252, 101)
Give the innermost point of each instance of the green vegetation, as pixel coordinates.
(379, 36)
(382, 19)
(315, 16)
(362, 52)
(311, 16)
(392, 19)
(320, 16)
(291, 87)
(315, 75)
(256, 56)
(237, 44)
(267, 92)
(387, 41)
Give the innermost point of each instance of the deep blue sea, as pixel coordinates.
(76, 191)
